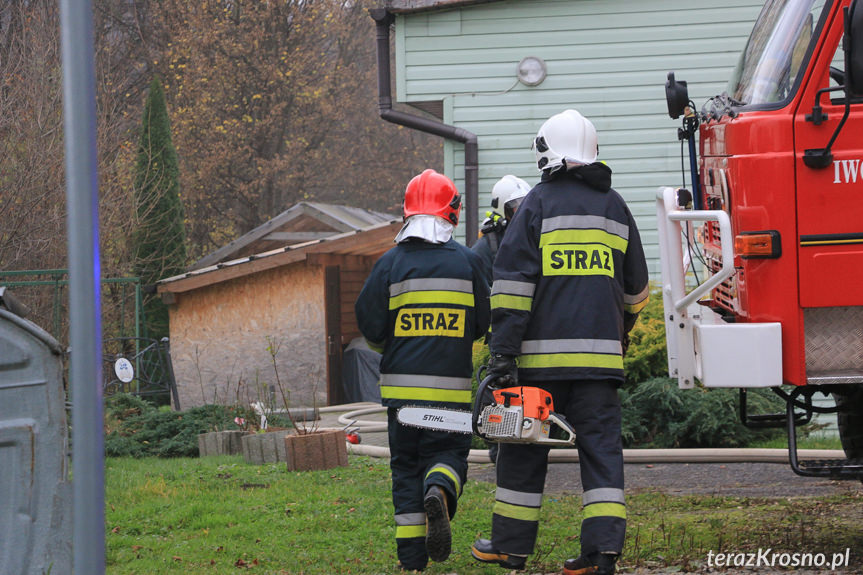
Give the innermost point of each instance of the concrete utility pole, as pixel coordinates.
(85, 331)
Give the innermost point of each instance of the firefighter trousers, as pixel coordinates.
(420, 458)
(593, 409)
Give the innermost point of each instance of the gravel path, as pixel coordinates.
(722, 479)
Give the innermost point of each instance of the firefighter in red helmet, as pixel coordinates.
(425, 302)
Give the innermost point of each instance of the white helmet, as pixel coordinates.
(507, 193)
(567, 139)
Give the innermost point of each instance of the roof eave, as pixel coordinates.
(413, 6)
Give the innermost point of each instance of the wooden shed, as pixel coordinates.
(253, 321)
(499, 68)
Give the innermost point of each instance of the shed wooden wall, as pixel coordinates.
(353, 276)
(608, 59)
(219, 338)
(353, 271)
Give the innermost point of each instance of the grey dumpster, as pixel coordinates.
(35, 495)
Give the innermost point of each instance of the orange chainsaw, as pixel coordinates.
(505, 415)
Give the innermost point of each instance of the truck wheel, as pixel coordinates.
(849, 417)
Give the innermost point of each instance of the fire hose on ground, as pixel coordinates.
(350, 419)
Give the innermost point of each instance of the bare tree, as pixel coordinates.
(32, 185)
(274, 103)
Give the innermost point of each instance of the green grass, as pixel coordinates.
(219, 515)
(815, 440)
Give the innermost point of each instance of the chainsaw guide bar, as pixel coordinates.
(438, 418)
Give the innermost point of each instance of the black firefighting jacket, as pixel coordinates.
(422, 307)
(487, 245)
(569, 280)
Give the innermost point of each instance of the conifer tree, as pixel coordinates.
(159, 239)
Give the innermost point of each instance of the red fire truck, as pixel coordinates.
(767, 291)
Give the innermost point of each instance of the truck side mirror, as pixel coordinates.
(852, 43)
(676, 96)
(853, 46)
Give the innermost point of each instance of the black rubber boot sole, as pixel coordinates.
(438, 532)
(582, 566)
(480, 553)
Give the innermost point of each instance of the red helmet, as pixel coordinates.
(433, 194)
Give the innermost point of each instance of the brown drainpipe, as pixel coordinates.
(383, 20)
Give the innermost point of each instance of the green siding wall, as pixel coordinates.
(606, 58)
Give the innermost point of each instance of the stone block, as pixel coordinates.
(220, 443)
(268, 447)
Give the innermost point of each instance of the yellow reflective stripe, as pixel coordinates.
(439, 297)
(426, 394)
(571, 360)
(409, 531)
(378, 347)
(605, 510)
(635, 307)
(583, 237)
(449, 472)
(516, 511)
(511, 302)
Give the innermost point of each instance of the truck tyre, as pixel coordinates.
(849, 417)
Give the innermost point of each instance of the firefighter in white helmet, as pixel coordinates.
(570, 278)
(506, 195)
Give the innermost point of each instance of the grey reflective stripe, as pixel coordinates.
(535, 346)
(513, 288)
(637, 298)
(431, 284)
(603, 495)
(430, 381)
(585, 223)
(411, 519)
(522, 498)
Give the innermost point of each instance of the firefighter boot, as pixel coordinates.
(595, 564)
(438, 533)
(483, 550)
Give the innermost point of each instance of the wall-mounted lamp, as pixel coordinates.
(531, 71)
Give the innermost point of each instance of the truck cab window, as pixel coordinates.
(837, 73)
(768, 69)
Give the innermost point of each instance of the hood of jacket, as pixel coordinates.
(596, 175)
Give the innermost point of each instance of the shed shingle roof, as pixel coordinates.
(368, 241)
(303, 222)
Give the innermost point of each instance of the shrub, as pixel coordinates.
(656, 413)
(646, 357)
(135, 428)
